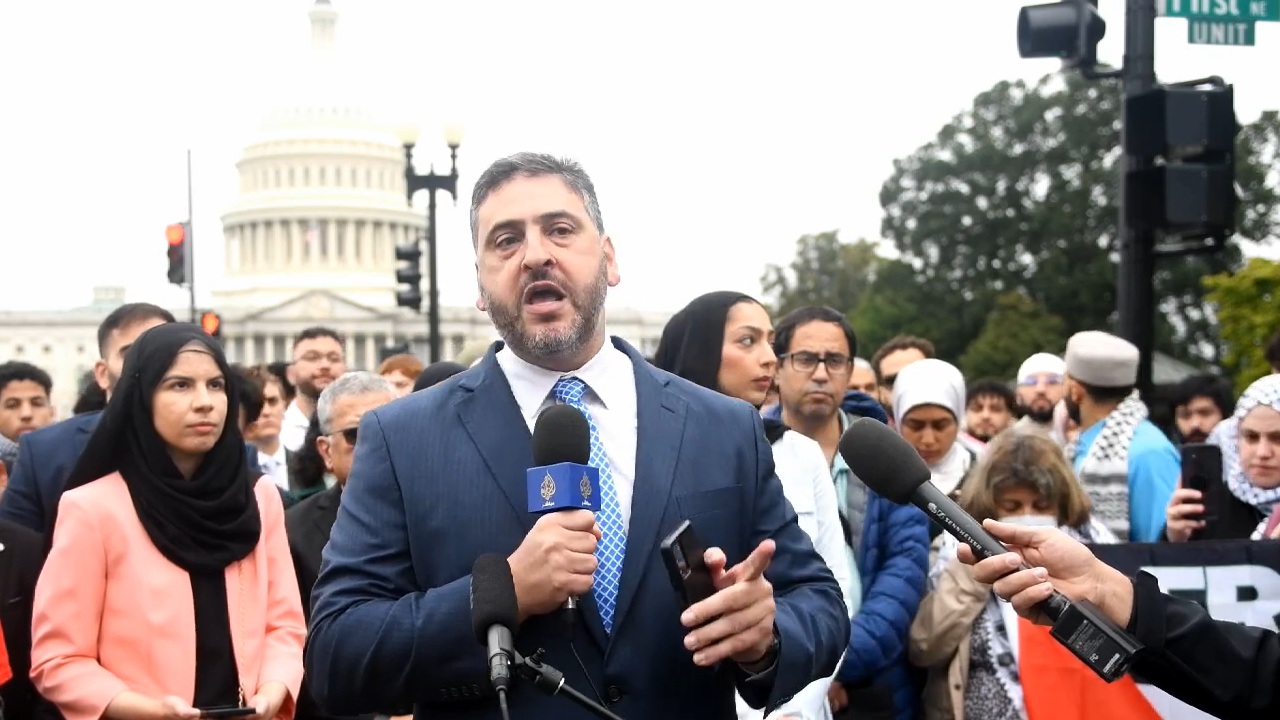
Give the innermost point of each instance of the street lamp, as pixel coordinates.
(431, 182)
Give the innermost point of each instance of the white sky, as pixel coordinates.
(717, 132)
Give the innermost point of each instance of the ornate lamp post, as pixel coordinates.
(431, 182)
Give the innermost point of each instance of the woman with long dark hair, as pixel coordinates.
(168, 588)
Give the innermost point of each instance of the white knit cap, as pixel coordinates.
(1041, 363)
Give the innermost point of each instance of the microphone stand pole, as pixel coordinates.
(551, 681)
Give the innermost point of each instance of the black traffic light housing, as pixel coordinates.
(1188, 132)
(410, 276)
(1068, 30)
(177, 236)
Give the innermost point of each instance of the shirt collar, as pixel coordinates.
(609, 375)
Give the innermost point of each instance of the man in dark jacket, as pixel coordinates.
(890, 543)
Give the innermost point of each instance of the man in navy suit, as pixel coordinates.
(46, 456)
(439, 479)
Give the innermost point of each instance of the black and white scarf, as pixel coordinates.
(1105, 469)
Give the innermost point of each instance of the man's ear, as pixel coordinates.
(326, 451)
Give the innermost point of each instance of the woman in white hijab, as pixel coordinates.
(928, 405)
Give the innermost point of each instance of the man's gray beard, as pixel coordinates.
(547, 342)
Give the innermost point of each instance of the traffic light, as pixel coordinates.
(211, 323)
(1069, 30)
(177, 236)
(410, 276)
(1187, 132)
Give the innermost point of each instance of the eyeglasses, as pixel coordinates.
(348, 434)
(1034, 380)
(807, 362)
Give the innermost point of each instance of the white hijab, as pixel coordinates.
(934, 382)
(1263, 392)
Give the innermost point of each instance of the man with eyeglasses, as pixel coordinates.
(339, 409)
(1039, 391)
(888, 544)
(318, 358)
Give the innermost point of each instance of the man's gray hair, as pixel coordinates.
(863, 363)
(527, 164)
(354, 383)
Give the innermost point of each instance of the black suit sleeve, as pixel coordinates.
(1223, 668)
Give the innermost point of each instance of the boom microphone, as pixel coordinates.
(495, 612)
(887, 464)
(562, 479)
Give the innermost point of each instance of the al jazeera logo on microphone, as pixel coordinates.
(563, 486)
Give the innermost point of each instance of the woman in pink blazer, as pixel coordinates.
(169, 587)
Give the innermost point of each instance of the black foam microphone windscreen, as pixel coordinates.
(493, 596)
(561, 435)
(883, 459)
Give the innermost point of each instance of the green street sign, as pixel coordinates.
(1219, 32)
(1237, 10)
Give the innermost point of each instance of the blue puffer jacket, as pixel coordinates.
(893, 560)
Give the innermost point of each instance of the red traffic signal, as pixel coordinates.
(176, 234)
(211, 323)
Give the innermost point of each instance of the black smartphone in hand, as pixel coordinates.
(1202, 470)
(226, 711)
(687, 566)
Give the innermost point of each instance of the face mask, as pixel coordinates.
(1031, 520)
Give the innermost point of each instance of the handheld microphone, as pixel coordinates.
(494, 612)
(883, 460)
(562, 479)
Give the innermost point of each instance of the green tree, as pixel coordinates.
(1247, 305)
(825, 271)
(1018, 193)
(1016, 328)
(892, 305)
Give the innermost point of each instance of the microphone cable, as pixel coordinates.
(502, 704)
(570, 616)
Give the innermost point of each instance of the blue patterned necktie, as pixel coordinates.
(613, 543)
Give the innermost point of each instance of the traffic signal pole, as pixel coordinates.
(1135, 281)
(190, 255)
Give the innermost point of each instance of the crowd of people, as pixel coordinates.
(198, 527)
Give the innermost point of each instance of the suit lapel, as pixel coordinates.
(660, 418)
(491, 417)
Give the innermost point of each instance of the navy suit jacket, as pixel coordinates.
(439, 479)
(45, 460)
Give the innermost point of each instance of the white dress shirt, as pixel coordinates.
(610, 399)
(293, 427)
(275, 466)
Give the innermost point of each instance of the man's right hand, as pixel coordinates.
(1057, 562)
(556, 561)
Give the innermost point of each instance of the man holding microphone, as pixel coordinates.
(1223, 668)
(439, 479)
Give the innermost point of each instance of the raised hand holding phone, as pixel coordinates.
(741, 612)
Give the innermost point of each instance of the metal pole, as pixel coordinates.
(1135, 290)
(433, 302)
(190, 254)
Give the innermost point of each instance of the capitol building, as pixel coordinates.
(309, 240)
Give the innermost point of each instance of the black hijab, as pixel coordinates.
(692, 344)
(436, 372)
(203, 523)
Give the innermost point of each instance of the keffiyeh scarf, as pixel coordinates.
(1105, 470)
